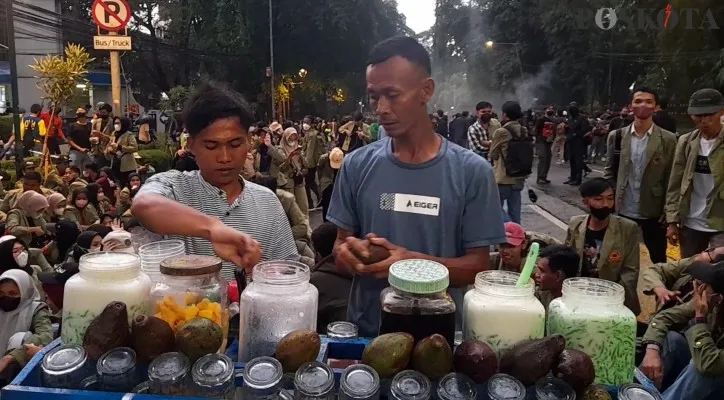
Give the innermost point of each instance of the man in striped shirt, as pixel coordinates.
(213, 210)
(480, 133)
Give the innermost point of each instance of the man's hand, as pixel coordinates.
(235, 246)
(487, 143)
(672, 233)
(32, 349)
(652, 366)
(181, 153)
(397, 253)
(5, 362)
(700, 300)
(345, 253)
(664, 295)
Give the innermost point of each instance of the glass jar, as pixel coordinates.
(342, 330)
(505, 387)
(153, 253)
(634, 391)
(213, 376)
(279, 300)
(191, 287)
(552, 388)
(314, 381)
(410, 385)
(454, 386)
(115, 372)
(167, 375)
(65, 367)
(593, 319)
(262, 379)
(417, 301)
(500, 313)
(359, 382)
(103, 278)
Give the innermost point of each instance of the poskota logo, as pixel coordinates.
(668, 17)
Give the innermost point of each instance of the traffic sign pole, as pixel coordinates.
(113, 16)
(115, 79)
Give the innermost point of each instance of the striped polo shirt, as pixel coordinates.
(256, 212)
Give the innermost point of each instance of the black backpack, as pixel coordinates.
(519, 160)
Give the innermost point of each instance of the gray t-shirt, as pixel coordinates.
(441, 208)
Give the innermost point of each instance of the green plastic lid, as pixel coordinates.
(419, 276)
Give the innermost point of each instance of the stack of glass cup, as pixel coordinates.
(153, 253)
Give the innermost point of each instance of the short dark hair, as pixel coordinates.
(466, 114)
(106, 107)
(33, 176)
(595, 186)
(406, 47)
(36, 108)
(644, 89)
(357, 116)
(512, 110)
(93, 167)
(323, 238)
(440, 113)
(212, 103)
(75, 169)
(562, 258)
(482, 105)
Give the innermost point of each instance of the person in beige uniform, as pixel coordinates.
(639, 161)
(327, 168)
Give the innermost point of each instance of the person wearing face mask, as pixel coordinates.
(24, 323)
(545, 134)
(26, 222)
(14, 254)
(79, 134)
(73, 179)
(121, 150)
(125, 197)
(480, 133)
(80, 210)
(607, 244)
(312, 149)
(577, 127)
(56, 207)
(293, 168)
(101, 134)
(354, 134)
(639, 163)
(88, 242)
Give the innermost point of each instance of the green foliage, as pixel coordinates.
(159, 159)
(6, 127)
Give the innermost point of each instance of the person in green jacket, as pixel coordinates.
(81, 211)
(26, 222)
(25, 324)
(689, 365)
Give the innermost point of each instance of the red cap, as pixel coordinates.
(514, 233)
(233, 292)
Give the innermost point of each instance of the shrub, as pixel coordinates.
(159, 159)
(9, 165)
(6, 127)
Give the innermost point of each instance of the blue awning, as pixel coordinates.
(102, 79)
(4, 72)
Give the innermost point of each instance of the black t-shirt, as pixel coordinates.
(80, 134)
(591, 252)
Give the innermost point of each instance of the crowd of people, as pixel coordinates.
(416, 184)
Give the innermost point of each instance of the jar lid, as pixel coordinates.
(634, 391)
(117, 361)
(410, 385)
(64, 359)
(419, 276)
(505, 387)
(552, 388)
(342, 330)
(314, 378)
(455, 386)
(263, 373)
(168, 367)
(213, 370)
(359, 381)
(190, 265)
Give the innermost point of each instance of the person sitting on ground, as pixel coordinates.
(556, 263)
(333, 287)
(80, 210)
(104, 230)
(73, 179)
(54, 181)
(125, 199)
(24, 323)
(118, 241)
(25, 221)
(107, 220)
(94, 191)
(88, 242)
(684, 345)
(66, 234)
(671, 283)
(511, 256)
(56, 207)
(30, 182)
(53, 283)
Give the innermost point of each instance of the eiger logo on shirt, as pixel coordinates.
(410, 203)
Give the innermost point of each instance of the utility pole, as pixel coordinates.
(14, 92)
(116, 80)
(271, 58)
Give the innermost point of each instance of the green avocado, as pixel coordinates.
(389, 354)
(199, 337)
(432, 357)
(298, 347)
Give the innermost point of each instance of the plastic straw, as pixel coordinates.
(529, 264)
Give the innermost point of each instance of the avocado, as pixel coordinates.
(575, 368)
(151, 337)
(198, 337)
(389, 354)
(476, 360)
(296, 348)
(432, 357)
(377, 254)
(531, 360)
(107, 331)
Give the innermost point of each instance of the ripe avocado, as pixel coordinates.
(296, 348)
(377, 254)
(389, 354)
(199, 337)
(476, 360)
(107, 331)
(432, 357)
(532, 360)
(575, 368)
(151, 337)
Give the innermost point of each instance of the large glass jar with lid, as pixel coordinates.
(593, 319)
(278, 300)
(103, 278)
(417, 301)
(500, 313)
(191, 287)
